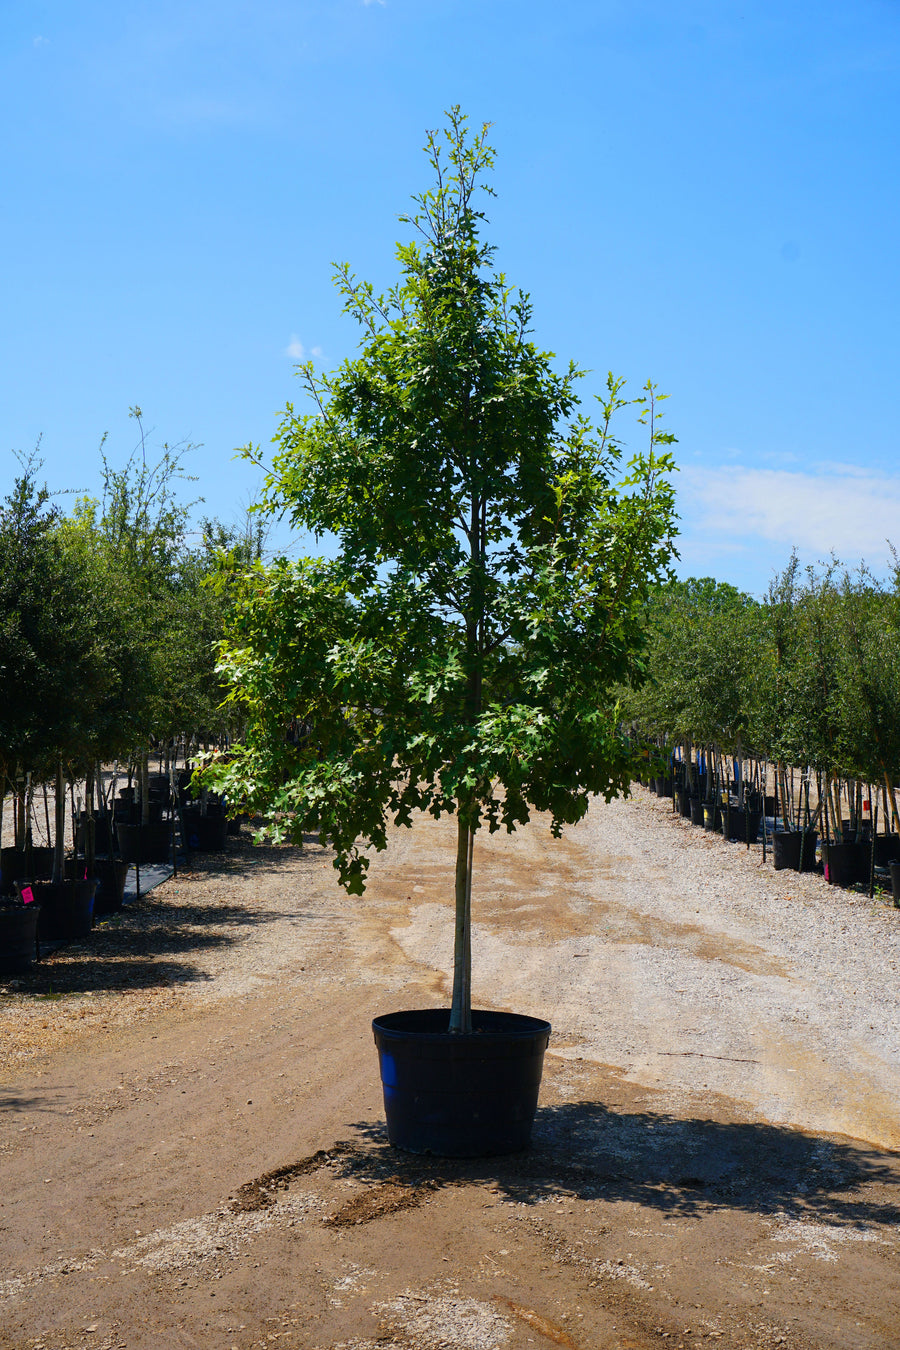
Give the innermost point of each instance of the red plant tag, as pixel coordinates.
(27, 895)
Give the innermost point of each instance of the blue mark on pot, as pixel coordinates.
(388, 1070)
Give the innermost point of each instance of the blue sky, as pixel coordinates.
(705, 194)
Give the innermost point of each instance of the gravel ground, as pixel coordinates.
(193, 1150)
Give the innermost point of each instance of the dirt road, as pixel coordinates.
(192, 1150)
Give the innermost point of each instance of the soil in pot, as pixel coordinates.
(18, 935)
(460, 1096)
(67, 909)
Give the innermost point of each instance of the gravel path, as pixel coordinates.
(192, 1146)
(686, 961)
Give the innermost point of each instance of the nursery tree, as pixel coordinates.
(48, 666)
(871, 680)
(459, 652)
(700, 664)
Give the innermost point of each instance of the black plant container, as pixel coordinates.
(460, 1096)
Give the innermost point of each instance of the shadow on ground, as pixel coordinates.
(129, 950)
(242, 858)
(587, 1151)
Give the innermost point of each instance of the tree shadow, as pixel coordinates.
(584, 1150)
(242, 858)
(13, 1101)
(129, 950)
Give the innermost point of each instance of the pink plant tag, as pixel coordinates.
(27, 895)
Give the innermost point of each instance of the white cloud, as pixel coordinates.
(842, 510)
(41, 42)
(374, 2)
(298, 352)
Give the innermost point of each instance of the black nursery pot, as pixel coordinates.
(460, 1096)
(744, 824)
(887, 849)
(894, 868)
(18, 933)
(206, 833)
(712, 816)
(696, 811)
(786, 850)
(67, 909)
(110, 875)
(841, 863)
(145, 843)
(18, 865)
(102, 834)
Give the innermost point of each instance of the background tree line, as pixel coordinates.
(110, 618)
(808, 677)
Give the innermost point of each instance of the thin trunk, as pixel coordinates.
(29, 815)
(89, 836)
(895, 819)
(101, 794)
(145, 788)
(461, 1006)
(59, 841)
(72, 810)
(837, 808)
(20, 815)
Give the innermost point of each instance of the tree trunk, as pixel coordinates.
(89, 838)
(29, 813)
(461, 1006)
(895, 821)
(19, 815)
(59, 814)
(145, 787)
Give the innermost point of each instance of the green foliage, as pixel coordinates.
(702, 664)
(494, 561)
(809, 677)
(47, 670)
(108, 628)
